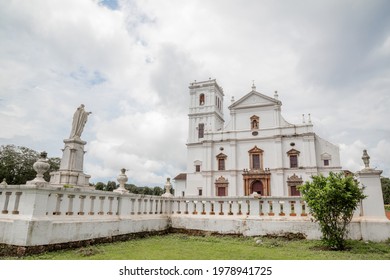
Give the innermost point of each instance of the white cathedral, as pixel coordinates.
(256, 152)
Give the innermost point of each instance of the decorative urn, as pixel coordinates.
(122, 179)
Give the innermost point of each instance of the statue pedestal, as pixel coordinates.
(71, 167)
(373, 206)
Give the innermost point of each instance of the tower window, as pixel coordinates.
(201, 99)
(201, 130)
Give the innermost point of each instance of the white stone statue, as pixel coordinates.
(79, 120)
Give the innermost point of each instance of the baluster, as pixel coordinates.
(248, 205)
(239, 204)
(92, 206)
(261, 206)
(186, 207)
(152, 201)
(110, 199)
(16, 205)
(194, 203)
(82, 201)
(304, 206)
(203, 207)
(101, 211)
(221, 204)
(178, 207)
(5, 208)
(70, 204)
(57, 210)
(132, 202)
(292, 208)
(230, 207)
(282, 210)
(161, 206)
(271, 208)
(139, 200)
(212, 204)
(145, 206)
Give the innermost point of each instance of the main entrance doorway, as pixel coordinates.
(257, 187)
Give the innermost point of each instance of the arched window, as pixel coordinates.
(201, 99)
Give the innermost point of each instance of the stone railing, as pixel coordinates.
(46, 201)
(240, 206)
(34, 201)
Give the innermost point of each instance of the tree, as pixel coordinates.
(16, 164)
(386, 189)
(332, 201)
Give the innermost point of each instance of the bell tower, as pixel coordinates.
(206, 109)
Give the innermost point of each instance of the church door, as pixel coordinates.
(257, 187)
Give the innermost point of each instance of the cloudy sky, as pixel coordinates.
(130, 63)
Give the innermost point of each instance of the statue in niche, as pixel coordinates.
(79, 120)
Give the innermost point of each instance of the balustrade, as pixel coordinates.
(69, 203)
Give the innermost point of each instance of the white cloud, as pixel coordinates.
(130, 63)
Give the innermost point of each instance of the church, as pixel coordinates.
(257, 152)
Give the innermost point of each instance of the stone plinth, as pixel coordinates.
(71, 167)
(373, 205)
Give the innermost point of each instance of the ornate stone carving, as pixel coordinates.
(40, 166)
(168, 187)
(122, 179)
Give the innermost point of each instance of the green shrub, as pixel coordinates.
(332, 201)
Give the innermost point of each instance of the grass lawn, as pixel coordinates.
(186, 247)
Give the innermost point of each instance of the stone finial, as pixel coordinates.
(276, 96)
(122, 179)
(4, 183)
(40, 166)
(253, 86)
(366, 159)
(168, 187)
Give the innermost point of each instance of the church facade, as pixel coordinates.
(256, 152)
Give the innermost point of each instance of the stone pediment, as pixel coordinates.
(254, 99)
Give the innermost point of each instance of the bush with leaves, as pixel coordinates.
(332, 201)
(386, 189)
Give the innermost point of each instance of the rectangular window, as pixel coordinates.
(221, 164)
(295, 191)
(255, 161)
(201, 130)
(326, 162)
(200, 192)
(221, 191)
(293, 161)
(197, 168)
